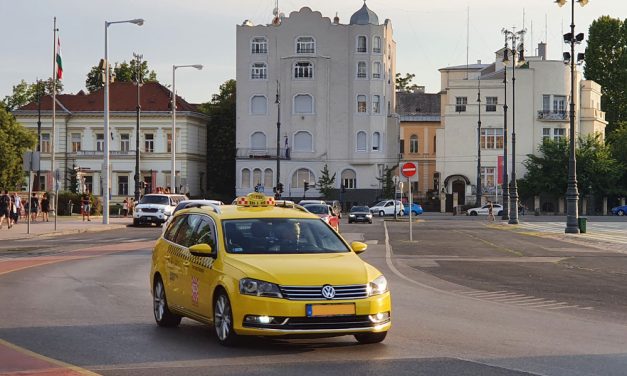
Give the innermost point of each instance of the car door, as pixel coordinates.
(183, 259)
(203, 276)
(173, 263)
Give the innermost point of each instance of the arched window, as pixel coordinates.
(362, 44)
(259, 45)
(376, 45)
(303, 104)
(303, 69)
(361, 141)
(302, 175)
(362, 107)
(349, 179)
(259, 71)
(376, 141)
(256, 176)
(376, 69)
(258, 141)
(305, 45)
(268, 178)
(413, 144)
(245, 178)
(258, 105)
(376, 104)
(303, 141)
(361, 70)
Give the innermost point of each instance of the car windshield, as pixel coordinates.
(159, 200)
(281, 236)
(359, 209)
(380, 203)
(317, 209)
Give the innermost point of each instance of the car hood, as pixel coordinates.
(305, 269)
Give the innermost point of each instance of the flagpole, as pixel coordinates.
(54, 107)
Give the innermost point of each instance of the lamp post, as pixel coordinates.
(173, 142)
(278, 137)
(106, 166)
(139, 83)
(572, 193)
(478, 190)
(505, 181)
(39, 94)
(517, 49)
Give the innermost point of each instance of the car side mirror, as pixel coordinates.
(202, 250)
(358, 247)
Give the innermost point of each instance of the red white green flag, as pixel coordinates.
(59, 60)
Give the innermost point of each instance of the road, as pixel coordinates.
(469, 298)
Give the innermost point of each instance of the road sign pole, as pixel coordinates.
(411, 235)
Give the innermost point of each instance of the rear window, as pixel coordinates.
(157, 200)
(317, 209)
(359, 209)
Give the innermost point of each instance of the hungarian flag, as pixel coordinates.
(59, 60)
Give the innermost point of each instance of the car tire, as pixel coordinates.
(366, 338)
(223, 320)
(163, 316)
(500, 213)
(620, 212)
(349, 222)
(381, 213)
(135, 222)
(473, 213)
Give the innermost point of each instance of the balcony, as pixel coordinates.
(86, 153)
(547, 115)
(270, 153)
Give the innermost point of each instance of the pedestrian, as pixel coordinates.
(86, 205)
(125, 207)
(131, 206)
(490, 211)
(5, 207)
(34, 207)
(17, 201)
(45, 207)
(13, 212)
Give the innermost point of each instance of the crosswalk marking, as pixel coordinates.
(520, 300)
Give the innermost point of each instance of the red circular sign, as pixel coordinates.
(408, 170)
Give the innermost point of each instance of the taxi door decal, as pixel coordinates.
(195, 288)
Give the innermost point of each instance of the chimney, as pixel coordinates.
(479, 62)
(336, 19)
(542, 50)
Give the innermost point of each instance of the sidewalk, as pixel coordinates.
(65, 225)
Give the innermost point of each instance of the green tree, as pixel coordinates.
(124, 72)
(221, 142)
(388, 189)
(25, 93)
(325, 182)
(616, 142)
(14, 141)
(606, 63)
(404, 83)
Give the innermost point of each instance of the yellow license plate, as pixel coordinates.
(314, 310)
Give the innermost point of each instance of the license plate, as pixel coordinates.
(316, 310)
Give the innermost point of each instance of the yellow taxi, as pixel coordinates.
(265, 269)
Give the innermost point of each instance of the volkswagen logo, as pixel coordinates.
(328, 291)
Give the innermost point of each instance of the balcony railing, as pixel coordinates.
(98, 152)
(548, 115)
(270, 153)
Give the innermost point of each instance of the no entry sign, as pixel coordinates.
(408, 169)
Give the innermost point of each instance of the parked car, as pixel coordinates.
(185, 204)
(619, 210)
(360, 214)
(325, 212)
(307, 202)
(337, 207)
(416, 209)
(497, 209)
(156, 208)
(386, 207)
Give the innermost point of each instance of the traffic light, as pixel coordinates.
(279, 188)
(306, 185)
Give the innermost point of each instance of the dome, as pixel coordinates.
(364, 16)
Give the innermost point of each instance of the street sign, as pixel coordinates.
(408, 169)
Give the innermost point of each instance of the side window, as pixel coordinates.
(205, 233)
(170, 232)
(185, 234)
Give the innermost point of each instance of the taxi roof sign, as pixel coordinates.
(255, 200)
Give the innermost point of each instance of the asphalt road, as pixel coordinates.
(468, 299)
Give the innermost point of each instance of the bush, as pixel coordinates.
(72, 201)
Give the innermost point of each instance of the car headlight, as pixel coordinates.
(138, 209)
(378, 286)
(249, 286)
(368, 215)
(352, 215)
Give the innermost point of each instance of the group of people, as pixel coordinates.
(127, 206)
(12, 208)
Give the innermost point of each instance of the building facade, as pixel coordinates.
(79, 140)
(335, 85)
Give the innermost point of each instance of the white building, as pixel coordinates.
(541, 111)
(337, 103)
(79, 139)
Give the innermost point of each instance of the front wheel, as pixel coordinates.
(381, 213)
(163, 316)
(366, 338)
(474, 213)
(223, 320)
(500, 213)
(621, 212)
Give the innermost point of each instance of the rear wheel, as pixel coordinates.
(135, 222)
(163, 316)
(366, 338)
(620, 212)
(381, 213)
(223, 320)
(473, 213)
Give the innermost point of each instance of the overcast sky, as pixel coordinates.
(429, 34)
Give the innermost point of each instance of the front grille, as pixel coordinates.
(150, 210)
(345, 292)
(316, 323)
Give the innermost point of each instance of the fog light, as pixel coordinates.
(259, 319)
(379, 317)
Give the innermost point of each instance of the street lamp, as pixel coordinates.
(278, 138)
(505, 181)
(517, 49)
(106, 166)
(173, 142)
(572, 193)
(139, 82)
(478, 190)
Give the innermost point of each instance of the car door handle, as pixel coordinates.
(186, 263)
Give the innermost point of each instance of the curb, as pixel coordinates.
(68, 232)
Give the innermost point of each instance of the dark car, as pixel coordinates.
(360, 214)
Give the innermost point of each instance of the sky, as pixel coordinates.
(429, 34)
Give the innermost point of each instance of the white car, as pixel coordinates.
(156, 208)
(497, 209)
(386, 207)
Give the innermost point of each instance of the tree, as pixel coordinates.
(221, 142)
(14, 141)
(388, 188)
(325, 182)
(124, 72)
(404, 83)
(606, 63)
(616, 142)
(25, 93)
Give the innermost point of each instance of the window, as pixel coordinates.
(376, 104)
(99, 141)
(361, 141)
(303, 69)
(362, 44)
(376, 69)
(149, 142)
(268, 178)
(376, 45)
(460, 104)
(303, 141)
(492, 138)
(413, 144)
(245, 178)
(76, 142)
(258, 71)
(303, 104)
(559, 103)
(559, 133)
(488, 178)
(44, 143)
(546, 134)
(361, 70)
(122, 185)
(42, 183)
(305, 45)
(349, 179)
(256, 177)
(546, 103)
(258, 141)
(169, 143)
(361, 104)
(302, 175)
(204, 233)
(490, 104)
(434, 144)
(259, 45)
(401, 147)
(186, 233)
(88, 182)
(376, 141)
(125, 142)
(258, 105)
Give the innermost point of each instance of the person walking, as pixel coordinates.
(86, 205)
(125, 207)
(17, 202)
(490, 211)
(5, 208)
(45, 207)
(34, 207)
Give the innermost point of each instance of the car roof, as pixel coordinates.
(227, 212)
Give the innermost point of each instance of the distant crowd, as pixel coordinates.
(14, 209)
